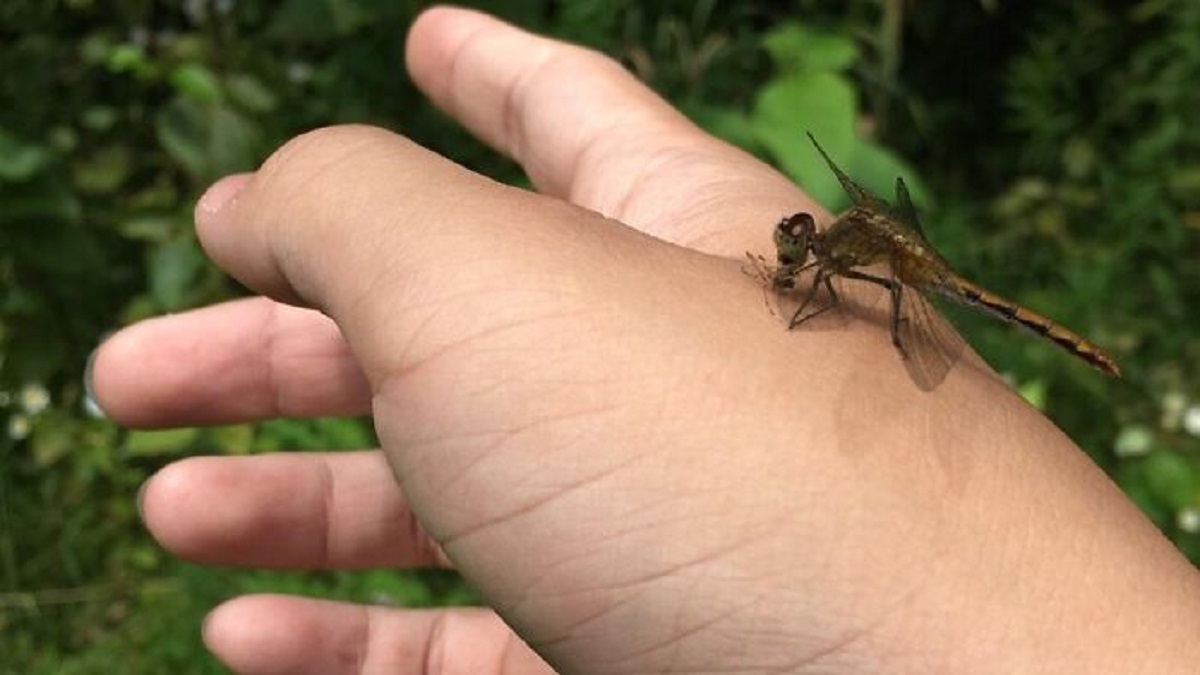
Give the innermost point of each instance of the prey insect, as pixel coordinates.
(883, 244)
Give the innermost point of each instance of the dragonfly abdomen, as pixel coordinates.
(964, 292)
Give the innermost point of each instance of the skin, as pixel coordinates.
(594, 418)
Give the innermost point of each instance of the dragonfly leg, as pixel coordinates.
(834, 297)
(895, 291)
(821, 277)
(898, 318)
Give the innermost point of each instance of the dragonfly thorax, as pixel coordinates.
(858, 238)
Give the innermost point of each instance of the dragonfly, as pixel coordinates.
(880, 243)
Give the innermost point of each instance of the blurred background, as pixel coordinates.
(1054, 147)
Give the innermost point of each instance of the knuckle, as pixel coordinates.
(572, 61)
(317, 152)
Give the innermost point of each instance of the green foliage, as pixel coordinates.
(1055, 136)
(1100, 103)
(811, 85)
(1088, 181)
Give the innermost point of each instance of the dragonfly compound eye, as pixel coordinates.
(793, 237)
(795, 231)
(801, 225)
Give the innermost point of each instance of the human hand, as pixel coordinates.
(596, 421)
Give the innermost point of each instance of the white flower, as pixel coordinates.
(34, 398)
(19, 427)
(1173, 404)
(1188, 519)
(1191, 420)
(1133, 441)
(299, 72)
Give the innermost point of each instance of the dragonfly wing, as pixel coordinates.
(905, 210)
(858, 195)
(931, 345)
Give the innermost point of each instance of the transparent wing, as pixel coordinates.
(858, 195)
(905, 210)
(930, 344)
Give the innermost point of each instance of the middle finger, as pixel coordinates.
(286, 511)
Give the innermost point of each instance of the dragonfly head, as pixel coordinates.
(793, 239)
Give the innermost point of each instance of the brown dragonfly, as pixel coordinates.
(883, 244)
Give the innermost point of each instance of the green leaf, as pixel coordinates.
(820, 103)
(250, 93)
(196, 82)
(795, 48)
(20, 160)
(876, 168)
(174, 267)
(36, 350)
(1167, 290)
(1134, 440)
(320, 20)
(824, 104)
(733, 127)
(237, 439)
(181, 131)
(159, 443)
(156, 228)
(1034, 392)
(53, 438)
(99, 117)
(208, 140)
(1185, 184)
(1171, 477)
(129, 58)
(104, 170)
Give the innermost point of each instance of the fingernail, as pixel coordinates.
(205, 624)
(220, 194)
(90, 403)
(141, 497)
